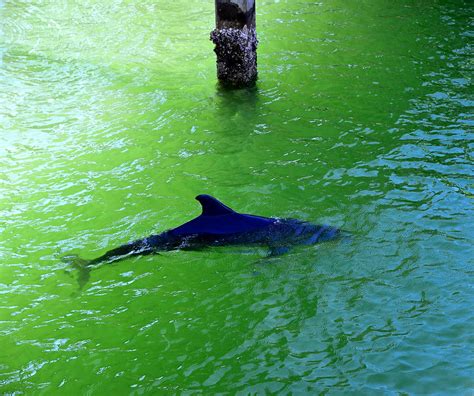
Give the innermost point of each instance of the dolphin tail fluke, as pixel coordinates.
(83, 267)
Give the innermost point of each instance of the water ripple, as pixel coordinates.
(111, 123)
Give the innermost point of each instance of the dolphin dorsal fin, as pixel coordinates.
(212, 207)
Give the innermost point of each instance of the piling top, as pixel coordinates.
(235, 14)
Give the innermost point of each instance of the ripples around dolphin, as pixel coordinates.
(111, 122)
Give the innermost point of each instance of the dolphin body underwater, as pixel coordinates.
(218, 225)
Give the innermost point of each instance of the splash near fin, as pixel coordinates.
(212, 207)
(82, 266)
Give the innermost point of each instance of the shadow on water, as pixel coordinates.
(237, 105)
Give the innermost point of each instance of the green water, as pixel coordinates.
(111, 122)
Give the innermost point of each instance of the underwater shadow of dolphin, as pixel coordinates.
(217, 225)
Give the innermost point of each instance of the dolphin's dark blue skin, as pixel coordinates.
(218, 225)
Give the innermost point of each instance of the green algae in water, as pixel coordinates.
(111, 122)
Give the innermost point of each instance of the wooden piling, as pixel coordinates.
(235, 40)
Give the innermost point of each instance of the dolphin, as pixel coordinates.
(218, 225)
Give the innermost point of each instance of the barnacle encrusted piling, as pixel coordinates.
(236, 51)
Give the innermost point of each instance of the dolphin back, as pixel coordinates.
(218, 219)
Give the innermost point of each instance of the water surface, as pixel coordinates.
(111, 122)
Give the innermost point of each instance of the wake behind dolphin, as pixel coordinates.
(218, 225)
